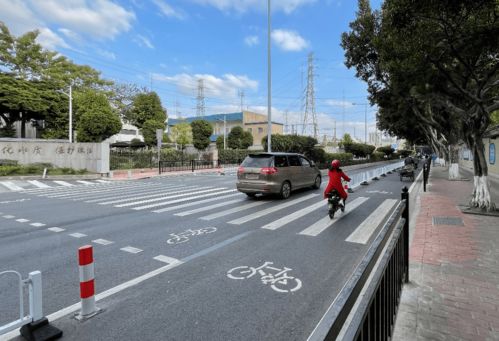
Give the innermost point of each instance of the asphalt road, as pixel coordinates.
(151, 289)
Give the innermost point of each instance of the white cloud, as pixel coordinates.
(102, 19)
(17, 15)
(224, 87)
(70, 34)
(337, 103)
(50, 40)
(143, 41)
(106, 54)
(168, 10)
(242, 6)
(289, 40)
(251, 40)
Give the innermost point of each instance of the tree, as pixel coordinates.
(145, 106)
(387, 150)
(97, 121)
(432, 69)
(122, 96)
(148, 130)
(201, 132)
(181, 134)
(220, 142)
(239, 139)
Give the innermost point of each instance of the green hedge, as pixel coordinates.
(235, 154)
(37, 169)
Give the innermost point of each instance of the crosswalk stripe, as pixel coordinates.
(162, 195)
(315, 229)
(131, 249)
(102, 241)
(168, 196)
(233, 210)
(103, 181)
(189, 204)
(93, 198)
(85, 182)
(183, 199)
(77, 235)
(11, 186)
(95, 189)
(269, 210)
(63, 183)
(22, 220)
(210, 207)
(38, 184)
(364, 231)
(293, 216)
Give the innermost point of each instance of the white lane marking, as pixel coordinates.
(210, 207)
(102, 241)
(295, 215)
(189, 204)
(233, 210)
(22, 220)
(161, 195)
(131, 249)
(103, 181)
(63, 183)
(9, 216)
(85, 182)
(364, 231)
(164, 203)
(93, 190)
(269, 210)
(10, 185)
(38, 184)
(56, 229)
(314, 229)
(37, 224)
(166, 259)
(126, 193)
(77, 235)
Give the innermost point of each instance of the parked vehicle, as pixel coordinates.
(276, 173)
(407, 172)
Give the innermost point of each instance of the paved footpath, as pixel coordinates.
(453, 292)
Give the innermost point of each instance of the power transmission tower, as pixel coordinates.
(310, 98)
(286, 122)
(200, 99)
(240, 93)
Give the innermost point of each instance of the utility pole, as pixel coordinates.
(70, 96)
(343, 112)
(240, 93)
(269, 83)
(286, 122)
(200, 99)
(365, 124)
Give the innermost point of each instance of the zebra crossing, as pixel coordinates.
(224, 204)
(23, 185)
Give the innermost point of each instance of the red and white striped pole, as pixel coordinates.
(87, 284)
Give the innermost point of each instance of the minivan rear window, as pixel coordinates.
(257, 161)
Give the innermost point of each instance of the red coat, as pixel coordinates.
(335, 183)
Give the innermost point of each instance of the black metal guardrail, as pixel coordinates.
(372, 315)
(193, 165)
(426, 172)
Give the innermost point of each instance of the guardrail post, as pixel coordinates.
(87, 283)
(192, 165)
(425, 175)
(35, 295)
(405, 215)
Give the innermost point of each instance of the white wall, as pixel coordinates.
(91, 156)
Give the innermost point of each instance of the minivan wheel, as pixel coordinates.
(285, 190)
(317, 182)
(251, 195)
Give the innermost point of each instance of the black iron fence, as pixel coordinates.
(193, 165)
(426, 172)
(375, 310)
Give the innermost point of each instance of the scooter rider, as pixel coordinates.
(335, 175)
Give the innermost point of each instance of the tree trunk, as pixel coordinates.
(453, 163)
(481, 187)
(23, 126)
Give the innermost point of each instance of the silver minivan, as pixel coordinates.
(276, 173)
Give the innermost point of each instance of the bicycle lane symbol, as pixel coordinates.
(278, 279)
(178, 238)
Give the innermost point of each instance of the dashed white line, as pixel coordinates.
(85, 182)
(131, 249)
(9, 216)
(22, 220)
(77, 235)
(56, 229)
(102, 241)
(63, 183)
(37, 224)
(166, 259)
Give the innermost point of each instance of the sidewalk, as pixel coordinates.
(453, 293)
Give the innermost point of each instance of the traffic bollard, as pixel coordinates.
(87, 283)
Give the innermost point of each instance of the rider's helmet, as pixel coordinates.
(335, 164)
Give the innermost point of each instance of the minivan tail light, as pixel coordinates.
(240, 170)
(268, 170)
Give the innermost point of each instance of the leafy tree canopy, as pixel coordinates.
(181, 134)
(201, 132)
(239, 139)
(145, 106)
(148, 130)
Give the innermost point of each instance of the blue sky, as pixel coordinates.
(169, 45)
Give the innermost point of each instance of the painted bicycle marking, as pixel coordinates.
(177, 238)
(278, 279)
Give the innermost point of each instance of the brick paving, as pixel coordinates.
(453, 292)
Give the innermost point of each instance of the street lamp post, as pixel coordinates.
(70, 95)
(269, 82)
(225, 130)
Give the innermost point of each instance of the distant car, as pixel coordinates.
(276, 173)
